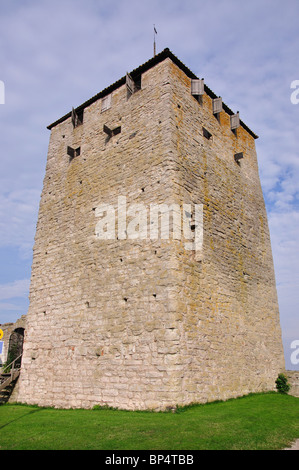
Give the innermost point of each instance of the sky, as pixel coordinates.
(57, 54)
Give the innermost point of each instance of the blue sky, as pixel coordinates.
(57, 54)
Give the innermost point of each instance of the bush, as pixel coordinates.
(282, 384)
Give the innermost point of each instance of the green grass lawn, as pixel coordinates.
(260, 421)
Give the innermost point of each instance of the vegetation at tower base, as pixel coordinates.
(147, 323)
(282, 384)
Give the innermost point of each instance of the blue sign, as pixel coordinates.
(1, 347)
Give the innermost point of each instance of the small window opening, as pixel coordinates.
(238, 157)
(77, 117)
(217, 116)
(133, 84)
(73, 152)
(116, 131)
(111, 132)
(206, 134)
(137, 81)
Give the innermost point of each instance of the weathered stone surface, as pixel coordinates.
(293, 380)
(146, 323)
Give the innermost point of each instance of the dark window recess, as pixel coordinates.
(111, 132)
(133, 83)
(77, 117)
(73, 152)
(206, 133)
(238, 157)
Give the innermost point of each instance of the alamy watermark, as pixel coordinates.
(2, 92)
(153, 221)
(295, 94)
(295, 354)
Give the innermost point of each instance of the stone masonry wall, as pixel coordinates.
(100, 323)
(146, 323)
(230, 329)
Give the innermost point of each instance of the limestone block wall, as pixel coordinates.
(100, 322)
(230, 330)
(145, 323)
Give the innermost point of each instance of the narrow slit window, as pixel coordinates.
(206, 134)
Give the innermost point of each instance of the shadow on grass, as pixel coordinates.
(20, 417)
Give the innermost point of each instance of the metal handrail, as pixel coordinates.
(10, 367)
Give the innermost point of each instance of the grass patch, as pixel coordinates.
(255, 422)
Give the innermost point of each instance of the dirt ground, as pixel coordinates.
(295, 446)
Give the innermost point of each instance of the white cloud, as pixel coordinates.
(9, 307)
(284, 229)
(16, 289)
(18, 216)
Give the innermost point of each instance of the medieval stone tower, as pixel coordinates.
(144, 321)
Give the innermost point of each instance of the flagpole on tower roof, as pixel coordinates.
(155, 32)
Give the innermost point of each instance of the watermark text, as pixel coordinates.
(139, 221)
(295, 94)
(295, 354)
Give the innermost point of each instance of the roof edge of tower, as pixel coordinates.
(166, 53)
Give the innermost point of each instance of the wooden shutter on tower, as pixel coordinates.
(106, 103)
(217, 105)
(130, 83)
(235, 121)
(197, 87)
